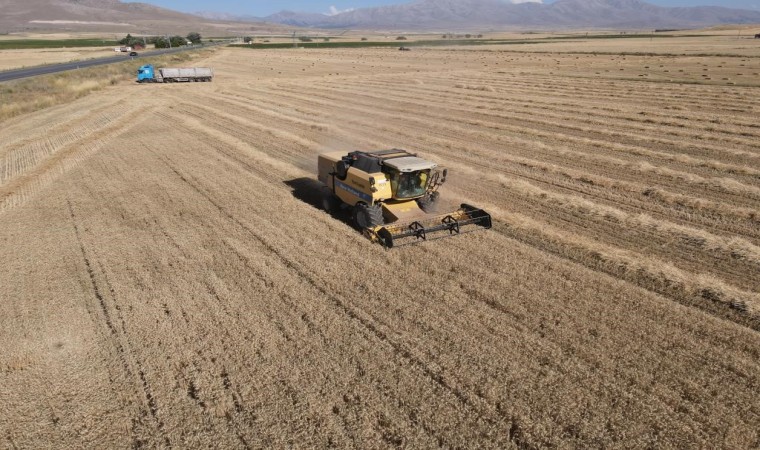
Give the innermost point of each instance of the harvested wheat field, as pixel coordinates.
(169, 280)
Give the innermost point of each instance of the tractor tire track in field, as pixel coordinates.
(119, 336)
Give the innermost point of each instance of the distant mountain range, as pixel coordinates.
(115, 17)
(480, 14)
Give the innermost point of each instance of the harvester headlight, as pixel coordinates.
(372, 186)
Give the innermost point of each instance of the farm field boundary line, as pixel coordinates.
(51, 89)
(60, 43)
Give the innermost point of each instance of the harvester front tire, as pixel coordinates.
(367, 216)
(429, 203)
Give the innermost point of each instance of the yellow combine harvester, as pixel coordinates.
(393, 195)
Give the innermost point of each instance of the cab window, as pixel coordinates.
(408, 184)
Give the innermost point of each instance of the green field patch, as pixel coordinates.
(21, 44)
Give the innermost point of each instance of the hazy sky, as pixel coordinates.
(263, 8)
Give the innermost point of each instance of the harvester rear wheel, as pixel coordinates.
(330, 202)
(368, 216)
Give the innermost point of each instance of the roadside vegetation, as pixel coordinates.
(32, 94)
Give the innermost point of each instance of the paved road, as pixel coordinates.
(53, 68)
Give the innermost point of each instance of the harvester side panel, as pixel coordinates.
(355, 188)
(326, 167)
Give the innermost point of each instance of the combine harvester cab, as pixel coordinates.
(393, 196)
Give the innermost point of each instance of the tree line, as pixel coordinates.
(161, 41)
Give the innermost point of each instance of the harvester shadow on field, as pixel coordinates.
(309, 191)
